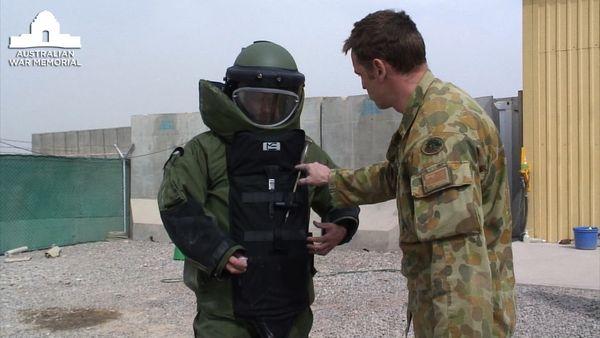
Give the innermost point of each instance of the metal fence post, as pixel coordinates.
(124, 158)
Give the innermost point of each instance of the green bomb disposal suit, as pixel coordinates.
(232, 188)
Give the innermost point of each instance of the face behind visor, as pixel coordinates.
(266, 106)
(265, 84)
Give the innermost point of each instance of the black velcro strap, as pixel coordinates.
(268, 197)
(267, 236)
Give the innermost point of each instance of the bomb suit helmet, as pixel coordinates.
(264, 82)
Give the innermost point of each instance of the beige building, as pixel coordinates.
(561, 114)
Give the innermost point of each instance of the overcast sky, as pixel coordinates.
(146, 57)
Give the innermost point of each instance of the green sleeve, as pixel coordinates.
(181, 201)
(184, 172)
(322, 203)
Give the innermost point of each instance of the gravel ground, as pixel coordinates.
(133, 289)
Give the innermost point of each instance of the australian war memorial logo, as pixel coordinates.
(44, 33)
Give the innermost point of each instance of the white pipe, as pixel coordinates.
(15, 251)
(123, 159)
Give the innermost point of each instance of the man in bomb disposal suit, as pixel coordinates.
(230, 202)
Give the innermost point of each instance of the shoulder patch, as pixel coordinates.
(432, 146)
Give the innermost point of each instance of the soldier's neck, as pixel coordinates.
(406, 85)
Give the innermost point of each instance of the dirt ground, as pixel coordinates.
(134, 289)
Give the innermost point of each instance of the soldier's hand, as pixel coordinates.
(237, 264)
(334, 234)
(316, 174)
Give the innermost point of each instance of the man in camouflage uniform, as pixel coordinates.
(446, 168)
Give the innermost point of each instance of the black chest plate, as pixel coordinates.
(269, 216)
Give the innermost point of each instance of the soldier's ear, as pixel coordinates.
(379, 68)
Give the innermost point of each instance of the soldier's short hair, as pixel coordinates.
(388, 35)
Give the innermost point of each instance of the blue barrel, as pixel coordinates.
(586, 238)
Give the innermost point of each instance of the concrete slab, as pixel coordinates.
(36, 143)
(97, 143)
(72, 143)
(378, 230)
(155, 136)
(355, 132)
(84, 138)
(310, 119)
(145, 211)
(94, 142)
(146, 222)
(124, 138)
(110, 138)
(556, 265)
(535, 263)
(59, 143)
(149, 232)
(47, 143)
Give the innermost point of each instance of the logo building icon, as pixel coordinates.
(45, 32)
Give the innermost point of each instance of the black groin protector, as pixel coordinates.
(273, 290)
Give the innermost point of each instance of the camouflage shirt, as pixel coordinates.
(446, 168)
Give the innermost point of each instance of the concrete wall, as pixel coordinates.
(85, 143)
(155, 137)
(355, 132)
(352, 130)
(310, 120)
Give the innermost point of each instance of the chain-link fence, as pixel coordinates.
(46, 200)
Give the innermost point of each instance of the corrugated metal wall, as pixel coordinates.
(561, 93)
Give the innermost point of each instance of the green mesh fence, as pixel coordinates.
(57, 200)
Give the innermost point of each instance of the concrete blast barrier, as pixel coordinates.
(352, 130)
(310, 120)
(355, 133)
(155, 136)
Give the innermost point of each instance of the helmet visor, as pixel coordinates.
(266, 106)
